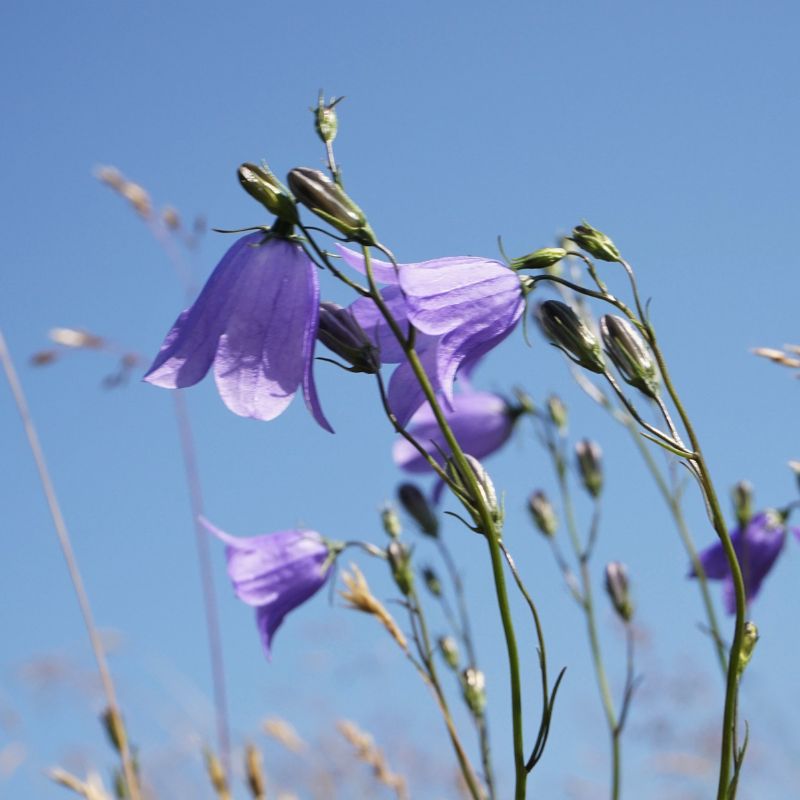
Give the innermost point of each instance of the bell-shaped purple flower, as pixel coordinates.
(758, 545)
(275, 572)
(462, 307)
(256, 321)
(481, 421)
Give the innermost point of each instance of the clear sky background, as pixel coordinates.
(673, 127)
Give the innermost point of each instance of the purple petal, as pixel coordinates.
(382, 271)
(480, 421)
(448, 293)
(714, 561)
(264, 354)
(405, 394)
(369, 317)
(191, 344)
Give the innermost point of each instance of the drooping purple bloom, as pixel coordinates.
(256, 321)
(481, 421)
(275, 572)
(757, 547)
(462, 307)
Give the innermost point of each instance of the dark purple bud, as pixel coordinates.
(263, 186)
(340, 332)
(595, 242)
(618, 590)
(564, 328)
(320, 195)
(432, 581)
(418, 508)
(629, 353)
(590, 466)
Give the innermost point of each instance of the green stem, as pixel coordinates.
(591, 624)
(715, 512)
(674, 506)
(488, 524)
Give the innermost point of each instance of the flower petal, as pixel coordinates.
(382, 271)
(191, 344)
(263, 354)
(369, 317)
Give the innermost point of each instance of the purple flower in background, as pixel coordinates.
(481, 421)
(256, 321)
(757, 547)
(275, 572)
(462, 307)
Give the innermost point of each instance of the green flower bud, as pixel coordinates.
(742, 495)
(558, 412)
(449, 650)
(749, 641)
(317, 192)
(595, 242)
(629, 353)
(618, 590)
(391, 522)
(544, 517)
(325, 122)
(115, 728)
(488, 495)
(473, 685)
(590, 466)
(400, 563)
(263, 186)
(539, 259)
(419, 509)
(432, 581)
(569, 333)
(340, 332)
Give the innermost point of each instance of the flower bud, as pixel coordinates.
(629, 353)
(618, 590)
(432, 581)
(595, 242)
(488, 495)
(749, 641)
(742, 496)
(340, 332)
(473, 685)
(216, 774)
(544, 517)
(400, 563)
(590, 466)
(391, 522)
(418, 508)
(558, 412)
(255, 773)
(317, 192)
(794, 466)
(539, 259)
(263, 186)
(115, 728)
(325, 122)
(449, 650)
(569, 333)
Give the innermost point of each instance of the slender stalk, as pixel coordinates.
(458, 589)
(728, 745)
(69, 556)
(488, 525)
(206, 580)
(587, 603)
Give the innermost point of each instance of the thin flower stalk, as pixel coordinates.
(62, 533)
(488, 524)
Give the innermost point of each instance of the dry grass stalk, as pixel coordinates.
(780, 357)
(216, 774)
(369, 753)
(136, 195)
(283, 732)
(91, 789)
(360, 598)
(256, 781)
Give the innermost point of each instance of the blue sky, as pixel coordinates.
(671, 126)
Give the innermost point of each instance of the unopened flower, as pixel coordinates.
(630, 354)
(543, 514)
(275, 572)
(256, 322)
(758, 545)
(481, 422)
(589, 458)
(565, 329)
(618, 589)
(341, 333)
(473, 686)
(417, 506)
(462, 307)
(595, 242)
